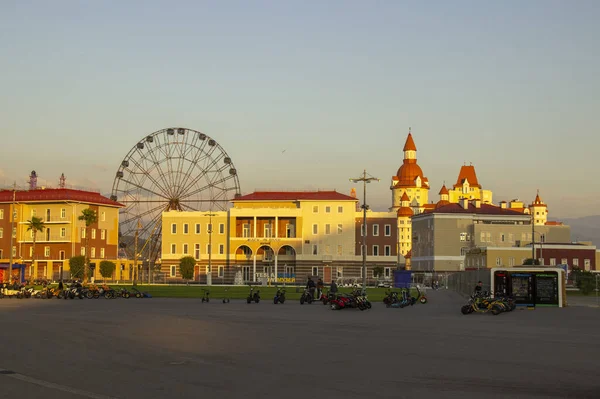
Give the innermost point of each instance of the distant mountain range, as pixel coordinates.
(586, 228)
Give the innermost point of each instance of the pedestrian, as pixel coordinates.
(310, 286)
(479, 288)
(334, 288)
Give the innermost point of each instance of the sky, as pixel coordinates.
(304, 95)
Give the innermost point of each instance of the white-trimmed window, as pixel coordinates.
(82, 251)
(173, 228)
(327, 228)
(47, 252)
(173, 249)
(83, 233)
(1, 232)
(375, 250)
(63, 213)
(196, 251)
(564, 261)
(340, 228)
(93, 234)
(101, 253)
(103, 234)
(387, 250)
(197, 228)
(387, 230)
(103, 216)
(221, 228)
(575, 262)
(315, 249)
(541, 261)
(315, 271)
(511, 261)
(93, 252)
(33, 212)
(315, 208)
(463, 236)
(387, 272)
(327, 209)
(186, 228)
(221, 249)
(587, 264)
(15, 251)
(209, 228)
(1, 213)
(185, 249)
(552, 261)
(339, 272)
(502, 237)
(498, 261)
(173, 271)
(340, 209)
(375, 230)
(221, 271)
(246, 230)
(315, 229)
(63, 232)
(488, 237)
(268, 230)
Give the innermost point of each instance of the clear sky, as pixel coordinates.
(511, 86)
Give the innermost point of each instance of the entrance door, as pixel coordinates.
(327, 274)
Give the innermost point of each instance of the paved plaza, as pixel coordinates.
(182, 348)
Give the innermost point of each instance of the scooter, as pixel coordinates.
(205, 297)
(253, 296)
(279, 296)
(306, 297)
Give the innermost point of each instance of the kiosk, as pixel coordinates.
(530, 286)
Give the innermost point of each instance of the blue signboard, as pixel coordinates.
(402, 278)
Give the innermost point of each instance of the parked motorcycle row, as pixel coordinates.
(403, 298)
(75, 290)
(482, 302)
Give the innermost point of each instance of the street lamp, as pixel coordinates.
(365, 180)
(541, 244)
(210, 230)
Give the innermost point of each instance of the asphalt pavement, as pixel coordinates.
(182, 348)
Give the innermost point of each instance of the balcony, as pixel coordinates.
(51, 219)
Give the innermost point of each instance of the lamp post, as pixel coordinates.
(541, 244)
(12, 229)
(365, 179)
(210, 230)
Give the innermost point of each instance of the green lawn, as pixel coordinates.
(236, 292)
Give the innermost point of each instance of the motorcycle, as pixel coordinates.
(306, 297)
(279, 296)
(253, 296)
(205, 295)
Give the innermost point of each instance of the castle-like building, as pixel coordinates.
(410, 195)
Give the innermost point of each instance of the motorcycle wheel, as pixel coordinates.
(138, 295)
(335, 306)
(256, 300)
(282, 300)
(248, 300)
(309, 300)
(423, 300)
(275, 300)
(302, 300)
(368, 305)
(466, 309)
(496, 310)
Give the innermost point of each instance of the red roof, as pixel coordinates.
(57, 195)
(444, 191)
(405, 211)
(295, 196)
(554, 223)
(468, 173)
(485, 209)
(405, 197)
(410, 144)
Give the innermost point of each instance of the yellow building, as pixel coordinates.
(280, 236)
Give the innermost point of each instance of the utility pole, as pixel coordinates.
(365, 180)
(12, 228)
(533, 239)
(210, 230)
(135, 253)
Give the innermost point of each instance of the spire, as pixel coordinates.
(33, 180)
(61, 184)
(409, 145)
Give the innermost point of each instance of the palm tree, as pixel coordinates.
(34, 225)
(90, 217)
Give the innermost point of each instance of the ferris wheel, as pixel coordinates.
(171, 169)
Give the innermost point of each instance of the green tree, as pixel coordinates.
(186, 267)
(90, 217)
(77, 266)
(584, 280)
(35, 225)
(107, 268)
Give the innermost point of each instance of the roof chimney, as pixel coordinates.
(476, 203)
(503, 204)
(464, 203)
